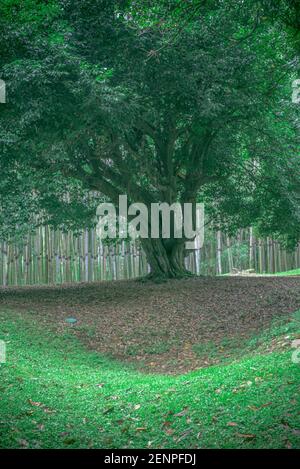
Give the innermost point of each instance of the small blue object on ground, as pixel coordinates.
(71, 320)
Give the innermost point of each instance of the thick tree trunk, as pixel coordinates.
(166, 258)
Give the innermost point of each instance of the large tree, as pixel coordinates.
(106, 97)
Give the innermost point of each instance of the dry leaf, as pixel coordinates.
(249, 436)
(182, 413)
(24, 443)
(296, 431)
(184, 435)
(169, 431)
(36, 404)
(167, 423)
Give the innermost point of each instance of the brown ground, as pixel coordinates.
(157, 325)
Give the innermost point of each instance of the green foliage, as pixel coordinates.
(153, 99)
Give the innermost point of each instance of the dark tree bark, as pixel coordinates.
(166, 258)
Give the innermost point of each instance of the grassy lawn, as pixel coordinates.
(279, 274)
(289, 272)
(56, 394)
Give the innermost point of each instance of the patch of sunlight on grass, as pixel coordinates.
(289, 272)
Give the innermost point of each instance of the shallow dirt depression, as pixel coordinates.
(159, 326)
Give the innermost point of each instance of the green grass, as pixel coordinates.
(281, 274)
(56, 394)
(289, 272)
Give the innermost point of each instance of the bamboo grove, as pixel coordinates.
(49, 256)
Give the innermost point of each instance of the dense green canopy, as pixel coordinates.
(157, 100)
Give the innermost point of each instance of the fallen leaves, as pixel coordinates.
(295, 343)
(185, 434)
(23, 443)
(255, 408)
(169, 431)
(46, 409)
(247, 436)
(166, 423)
(288, 445)
(206, 310)
(182, 413)
(100, 385)
(36, 404)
